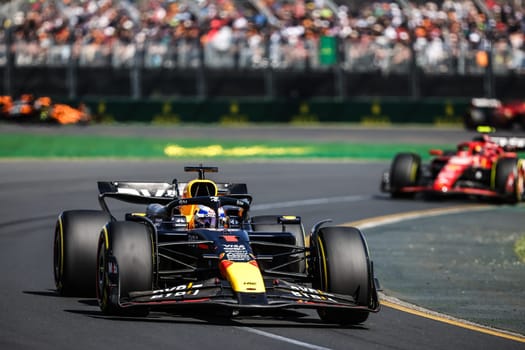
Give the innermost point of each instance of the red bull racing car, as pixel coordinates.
(486, 167)
(196, 244)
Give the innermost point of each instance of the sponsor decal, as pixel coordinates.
(147, 193)
(177, 291)
(193, 237)
(236, 252)
(459, 161)
(310, 293)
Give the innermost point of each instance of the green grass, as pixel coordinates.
(79, 146)
(519, 248)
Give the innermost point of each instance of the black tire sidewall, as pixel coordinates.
(76, 239)
(130, 245)
(402, 170)
(342, 266)
(504, 167)
(347, 262)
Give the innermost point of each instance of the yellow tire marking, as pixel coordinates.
(323, 257)
(61, 232)
(412, 309)
(413, 173)
(104, 298)
(493, 176)
(106, 239)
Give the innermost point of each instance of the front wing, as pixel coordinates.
(473, 191)
(426, 187)
(279, 294)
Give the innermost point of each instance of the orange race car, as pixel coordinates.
(28, 109)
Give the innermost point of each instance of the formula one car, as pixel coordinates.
(486, 167)
(196, 244)
(29, 109)
(493, 112)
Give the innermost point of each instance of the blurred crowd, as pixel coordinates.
(446, 36)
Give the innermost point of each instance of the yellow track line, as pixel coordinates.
(392, 218)
(453, 321)
(418, 311)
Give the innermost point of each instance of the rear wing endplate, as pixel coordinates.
(510, 143)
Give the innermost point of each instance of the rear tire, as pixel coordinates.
(270, 223)
(342, 265)
(522, 121)
(404, 172)
(504, 168)
(75, 251)
(125, 264)
(469, 122)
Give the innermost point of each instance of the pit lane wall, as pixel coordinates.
(367, 111)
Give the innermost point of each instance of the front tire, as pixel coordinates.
(342, 265)
(506, 167)
(125, 264)
(404, 172)
(271, 223)
(75, 251)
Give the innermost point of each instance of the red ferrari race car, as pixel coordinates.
(486, 167)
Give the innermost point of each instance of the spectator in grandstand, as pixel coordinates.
(376, 35)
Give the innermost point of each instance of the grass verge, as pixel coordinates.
(80, 146)
(519, 248)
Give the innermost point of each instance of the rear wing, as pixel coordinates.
(485, 102)
(139, 192)
(158, 192)
(511, 144)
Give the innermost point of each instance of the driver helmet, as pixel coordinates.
(205, 217)
(478, 149)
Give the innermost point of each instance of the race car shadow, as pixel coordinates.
(281, 319)
(212, 316)
(53, 293)
(90, 302)
(43, 293)
(437, 198)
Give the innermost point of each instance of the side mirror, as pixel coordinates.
(436, 152)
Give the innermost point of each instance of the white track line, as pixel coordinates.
(283, 339)
(307, 202)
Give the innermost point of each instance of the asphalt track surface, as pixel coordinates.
(35, 317)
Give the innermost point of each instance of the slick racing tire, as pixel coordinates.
(469, 122)
(75, 251)
(270, 223)
(124, 264)
(404, 172)
(504, 168)
(475, 117)
(342, 265)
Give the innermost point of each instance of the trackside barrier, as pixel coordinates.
(367, 111)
